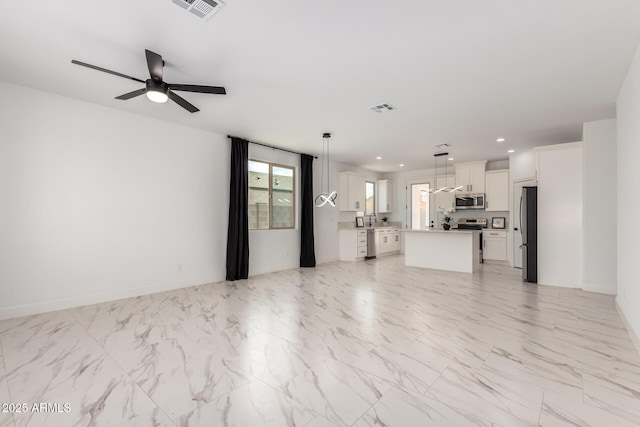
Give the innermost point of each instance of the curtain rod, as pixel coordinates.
(272, 146)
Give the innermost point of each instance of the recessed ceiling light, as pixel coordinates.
(511, 151)
(500, 140)
(451, 158)
(401, 165)
(379, 158)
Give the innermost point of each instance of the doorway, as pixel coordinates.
(516, 227)
(418, 205)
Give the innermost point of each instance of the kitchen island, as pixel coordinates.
(453, 250)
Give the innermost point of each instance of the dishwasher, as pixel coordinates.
(373, 241)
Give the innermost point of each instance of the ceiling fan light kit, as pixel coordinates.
(156, 89)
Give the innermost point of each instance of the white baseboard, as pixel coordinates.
(598, 288)
(326, 260)
(271, 269)
(632, 333)
(66, 303)
(495, 262)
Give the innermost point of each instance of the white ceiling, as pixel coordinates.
(459, 71)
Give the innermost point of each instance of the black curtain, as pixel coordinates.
(307, 242)
(238, 232)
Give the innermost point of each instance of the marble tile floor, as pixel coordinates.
(346, 344)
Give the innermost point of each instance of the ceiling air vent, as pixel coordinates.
(381, 108)
(204, 9)
(445, 145)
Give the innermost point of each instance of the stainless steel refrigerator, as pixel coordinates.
(529, 230)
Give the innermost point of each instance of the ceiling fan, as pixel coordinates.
(157, 90)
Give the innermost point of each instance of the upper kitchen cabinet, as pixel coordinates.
(497, 190)
(351, 195)
(385, 196)
(471, 176)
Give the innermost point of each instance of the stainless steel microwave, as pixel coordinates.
(470, 201)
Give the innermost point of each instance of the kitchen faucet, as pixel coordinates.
(374, 215)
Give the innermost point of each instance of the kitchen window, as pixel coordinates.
(271, 196)
(369, 197)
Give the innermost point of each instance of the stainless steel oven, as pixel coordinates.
(470, 201)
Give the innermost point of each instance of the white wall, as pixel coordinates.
(628, 157)
(560, 215)
(99, 204)
(599, 263)
(522, 166)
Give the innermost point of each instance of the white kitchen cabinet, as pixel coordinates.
(389, 241)
(352, 245)
(471, 176)
(444, 200)
(494, 245)
(385, 196)
(497, 190)
(351, 193)
(395, 240)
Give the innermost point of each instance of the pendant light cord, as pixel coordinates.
(322, 172)
(328, 166)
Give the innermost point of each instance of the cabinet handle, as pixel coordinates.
(357, 205)
(396, 238)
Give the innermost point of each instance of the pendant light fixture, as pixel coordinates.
(325, 197)
(446, 189)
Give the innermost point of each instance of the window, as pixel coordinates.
(271, 196)
(369, 195)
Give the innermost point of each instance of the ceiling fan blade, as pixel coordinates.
(182, 102)
(104, 70)
(197, 88)
(132, 94)
(155, 64)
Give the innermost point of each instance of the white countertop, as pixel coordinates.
(373, 227)
(439, 230)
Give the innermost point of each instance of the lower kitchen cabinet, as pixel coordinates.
(494, 245)
(389, 241)
(352, 245)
